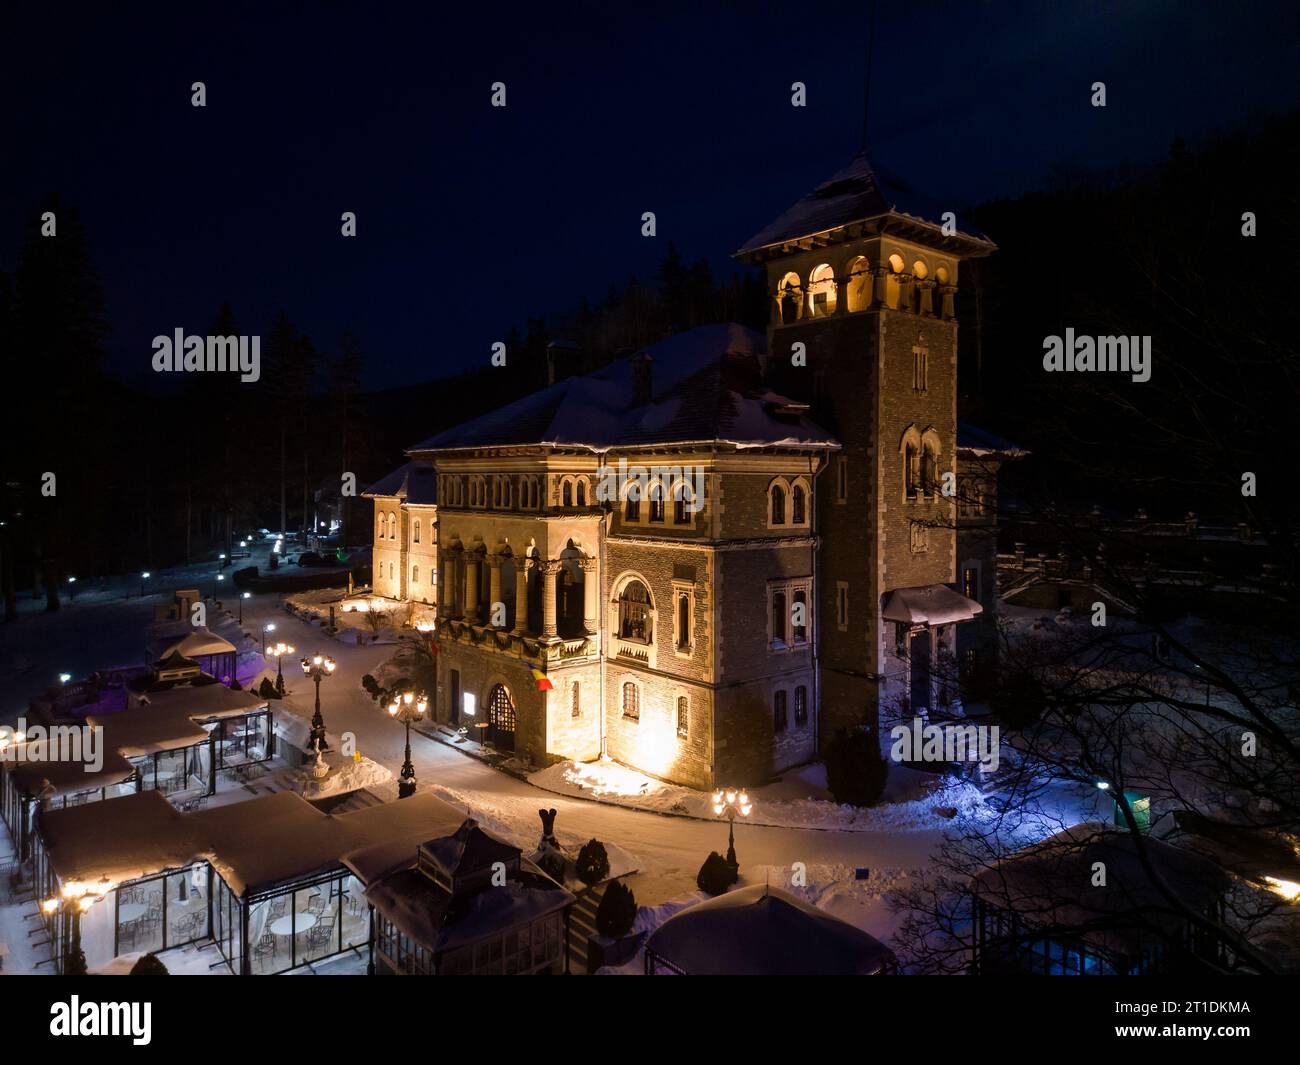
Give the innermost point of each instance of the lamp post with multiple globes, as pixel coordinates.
(408, 707)
(317, 668)
(277, 651)
(75, 899)
(727, 803)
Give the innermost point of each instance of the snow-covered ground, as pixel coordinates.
(852, 857)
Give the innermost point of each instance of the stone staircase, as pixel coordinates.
(358, 800)
(582, 924)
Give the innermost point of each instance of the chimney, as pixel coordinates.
(642, 378)
(563, 360)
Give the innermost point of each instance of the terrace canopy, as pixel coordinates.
(762, 930)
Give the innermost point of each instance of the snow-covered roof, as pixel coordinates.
(196, 641)
(762, 931)
(972, 440)
(1050, 884)
(432, 918)
(201, 701)
(254, 845)
(706, 389)
(415, 482)
(930, 604)
(853, 194)
(66, 777)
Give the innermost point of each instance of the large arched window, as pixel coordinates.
(789, 295)
(635, 614)
(632, 511)
(392, 526)
(821, 291)
(566, 494)
(859, 284)
(683, 497)
(415, 531)
(582, 491)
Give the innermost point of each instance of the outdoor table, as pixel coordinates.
(284, 926)
(131, 911)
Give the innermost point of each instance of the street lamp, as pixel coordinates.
(222, 558)
(245, 595)
(265, 629)
(72, 589)
(407, 708)
(216, 584)
(278, 652)
(726, 804)
(143, 577)
(318, 667)
(75, 899)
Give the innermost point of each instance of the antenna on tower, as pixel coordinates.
(866, 90)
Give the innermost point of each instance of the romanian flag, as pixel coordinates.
(543, 681)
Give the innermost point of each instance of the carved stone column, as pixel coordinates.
(906, 282)
(880, 280)
(494, 586)
(926, 286)
(471, 587)
(550, 574)
(948, 294)
(521, 595)
(590, 596)
(447, 577)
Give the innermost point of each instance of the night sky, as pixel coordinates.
(472, 218)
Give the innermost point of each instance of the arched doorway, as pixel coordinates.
(501, 718)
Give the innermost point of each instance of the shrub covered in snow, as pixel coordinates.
(592, 865)
(855, 771)
(716, 874)
(617, 911)
(149, 965)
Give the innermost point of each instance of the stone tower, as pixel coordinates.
(863, 328)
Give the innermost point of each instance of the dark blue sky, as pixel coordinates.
(472, 218)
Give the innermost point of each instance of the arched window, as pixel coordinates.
(789, 296)
(657, 503)
(391, 572)
(893, 282)
(631, 701)
(859, 284)
(929, 470)
(800, 706)
(683, 496)
(912, 469)
(821, 291)
(779, 618)
(415, 574)
(582, 492)
(778, 505)
(566, 494)
(392, 526)
(683, 716)
(415, 531)
(633, 506)
(634, 614)
(780, 718)
(683, 621)
(798, 505)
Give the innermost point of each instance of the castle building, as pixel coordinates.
(701, 559)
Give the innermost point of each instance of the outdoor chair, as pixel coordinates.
(316, 905)
(266, 945)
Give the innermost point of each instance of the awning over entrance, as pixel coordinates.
(931, 604)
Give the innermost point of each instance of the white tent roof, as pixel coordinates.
(198, 642)
(931, 604)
